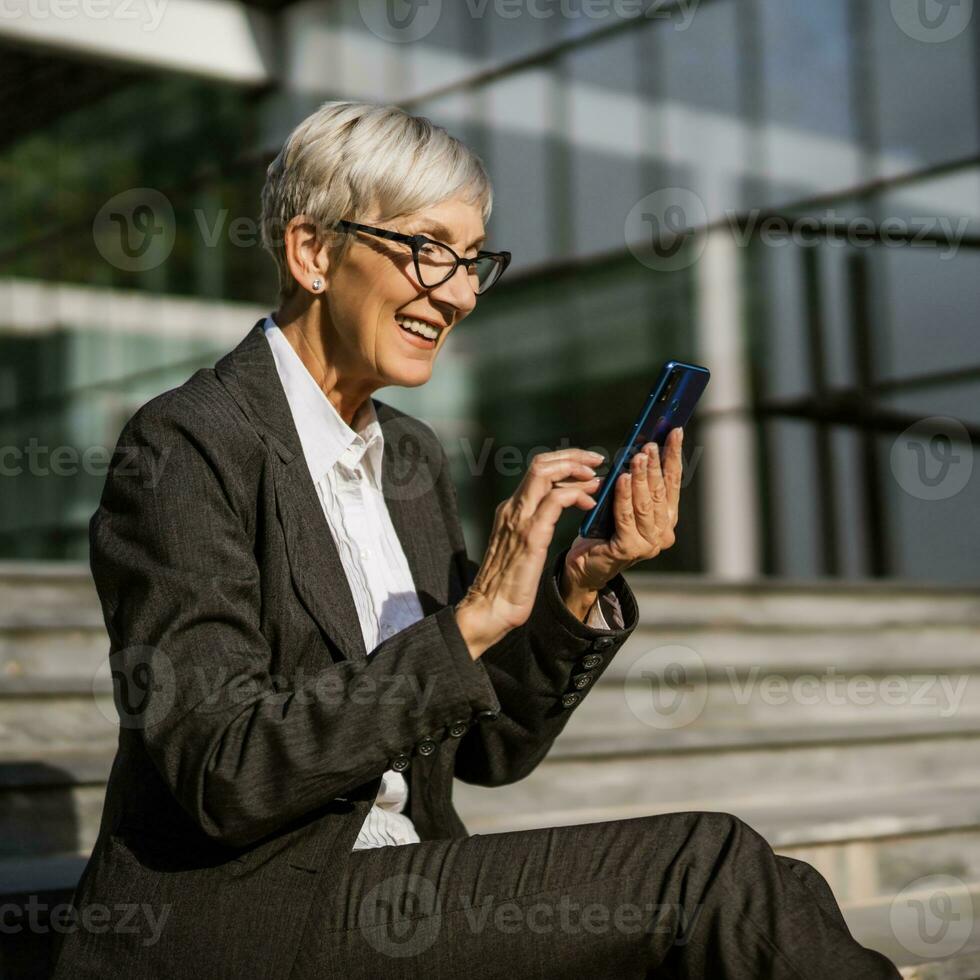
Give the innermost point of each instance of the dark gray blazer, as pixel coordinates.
(253, 727)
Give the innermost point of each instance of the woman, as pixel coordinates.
(307, 657)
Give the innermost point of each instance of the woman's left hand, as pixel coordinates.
(646, 502)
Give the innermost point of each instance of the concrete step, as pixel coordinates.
(670, 599)
(963, 966)
(631, 705)
(791, 650)
(931, 931)
(71, 650)
(724, 769)
(39, 715)
(679, 600)
(77, 648)
(45, 589)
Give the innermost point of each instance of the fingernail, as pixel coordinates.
(589, 468)
(595, 455)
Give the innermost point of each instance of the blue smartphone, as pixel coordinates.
(669, 406)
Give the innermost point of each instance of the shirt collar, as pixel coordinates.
(327, 440)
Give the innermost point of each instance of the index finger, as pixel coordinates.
(549, 467)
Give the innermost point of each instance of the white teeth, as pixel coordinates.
(417, 326)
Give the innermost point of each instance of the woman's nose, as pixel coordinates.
(457, 291)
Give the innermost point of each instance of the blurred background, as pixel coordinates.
(784, 191)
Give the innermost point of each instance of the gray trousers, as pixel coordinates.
(679, 895)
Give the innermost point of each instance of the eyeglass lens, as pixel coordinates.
(436, 264)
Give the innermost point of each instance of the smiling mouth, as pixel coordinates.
(417, 332)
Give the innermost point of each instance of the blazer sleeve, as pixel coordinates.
(534, 667)
(244, 750)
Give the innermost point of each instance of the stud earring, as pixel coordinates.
(317, 283)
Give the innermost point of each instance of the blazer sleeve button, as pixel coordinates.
(591, 660)
(602, 643)
(426, 746)
(570, 700)
(582, 680)
(487, 715)
(400, 763)
(458, 728)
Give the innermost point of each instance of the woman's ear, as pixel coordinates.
(307, 251)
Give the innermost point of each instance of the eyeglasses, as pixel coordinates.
(436, 262)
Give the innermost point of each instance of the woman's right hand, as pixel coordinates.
(503, 592)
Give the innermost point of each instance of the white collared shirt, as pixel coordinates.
(345, 464)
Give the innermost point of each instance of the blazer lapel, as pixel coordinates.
(407, 477)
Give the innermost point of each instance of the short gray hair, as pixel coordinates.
(349, 159)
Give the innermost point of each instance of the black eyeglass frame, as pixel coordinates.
(416, 242)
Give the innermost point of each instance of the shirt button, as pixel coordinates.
(358, 473)
(365, 553)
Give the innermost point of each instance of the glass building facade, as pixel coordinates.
(786, 192)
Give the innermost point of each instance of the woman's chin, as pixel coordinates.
(409, 373)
